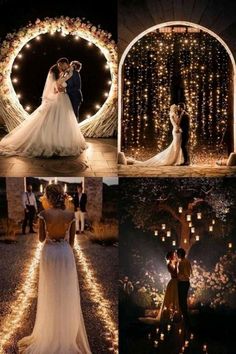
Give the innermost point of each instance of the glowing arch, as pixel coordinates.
(103, 123)
(153, 28)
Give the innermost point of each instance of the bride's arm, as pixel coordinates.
(42, 231)
(72, 233)
(174, 121)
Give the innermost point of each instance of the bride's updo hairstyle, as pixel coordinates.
(56, 196)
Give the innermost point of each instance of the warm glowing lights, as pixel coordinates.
(163, 226)
(97, 106)
(199, 216)
(28, 108)
(189, 217)
(103, 121)
(163, 239)
(106, 94)
(174, 243)
(16, 66)
(210, 228)
(18, 309)
(180, 210)
(230, 245)
(197, 237)
(28, 46)
(19, 95)
(168, 234)
(156, 233)
(96, 293)
(90, 44)
(15, 80)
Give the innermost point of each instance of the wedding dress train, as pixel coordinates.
(52, 129)
(171, 156)
(59, 325)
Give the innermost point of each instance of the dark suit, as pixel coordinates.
(184, 125)
(80, 204)
(74, 92)
(80, 210)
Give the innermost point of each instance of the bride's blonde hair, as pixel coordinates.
(173, 109)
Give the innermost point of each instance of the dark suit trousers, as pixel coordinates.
(76, 102)
(183, 288)
(29, 217)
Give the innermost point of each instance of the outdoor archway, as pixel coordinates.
(159, 27)
(101, 124)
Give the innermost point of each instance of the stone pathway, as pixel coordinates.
(176, 171)
(101, 157)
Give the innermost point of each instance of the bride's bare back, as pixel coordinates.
(54, 223)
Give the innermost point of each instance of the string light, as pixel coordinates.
(38, 38)
(16, 66)
(26, 291)
(152, 69)
(96, 294)
(15, 80)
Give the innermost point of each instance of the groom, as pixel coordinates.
(73, 88)
(184, 273)
(184, 125)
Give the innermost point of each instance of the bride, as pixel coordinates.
(173, 154)
(52, 129)
(170, 306)
(59, 325)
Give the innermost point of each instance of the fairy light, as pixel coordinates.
(33, 32)
(27, 290)
(204, 67)
(96, 294)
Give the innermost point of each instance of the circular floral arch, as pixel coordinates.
(101, 124)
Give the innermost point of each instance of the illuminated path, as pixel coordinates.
(99, 312)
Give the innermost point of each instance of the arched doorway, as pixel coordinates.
(214, 120)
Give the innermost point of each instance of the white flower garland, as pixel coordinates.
(104, 122)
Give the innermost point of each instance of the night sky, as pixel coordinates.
(43, 54)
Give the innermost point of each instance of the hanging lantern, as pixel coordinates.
(230, 245)
(180, 209)
(156, 232)
(189, 217)
(174, 243)
(197, 237)
(168, 234)
(163, 226)
(185, 241)
(190, 224)
(199, 216)
(192, 230)
(163, 239)
(213, 221)
(210, 228)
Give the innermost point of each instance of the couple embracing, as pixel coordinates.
(52, 129)
(176, 294)
(176, 154)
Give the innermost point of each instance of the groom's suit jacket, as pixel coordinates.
(80, 203)
(74, 91)
(185, 125)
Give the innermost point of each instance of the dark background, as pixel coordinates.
(37, 60)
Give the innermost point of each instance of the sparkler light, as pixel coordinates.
(103, 305)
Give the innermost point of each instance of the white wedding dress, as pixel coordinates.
(59, 326)
(52, 129)
(172, 155)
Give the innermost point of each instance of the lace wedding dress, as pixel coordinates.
(59, 325)
(172, 155)
(52, 129)
(170, 305)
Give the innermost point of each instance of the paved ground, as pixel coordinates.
(104, 263)
(176, 171)
(101, 157)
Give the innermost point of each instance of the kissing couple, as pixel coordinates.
(176, 154)
(176, 294)
(52, 129)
